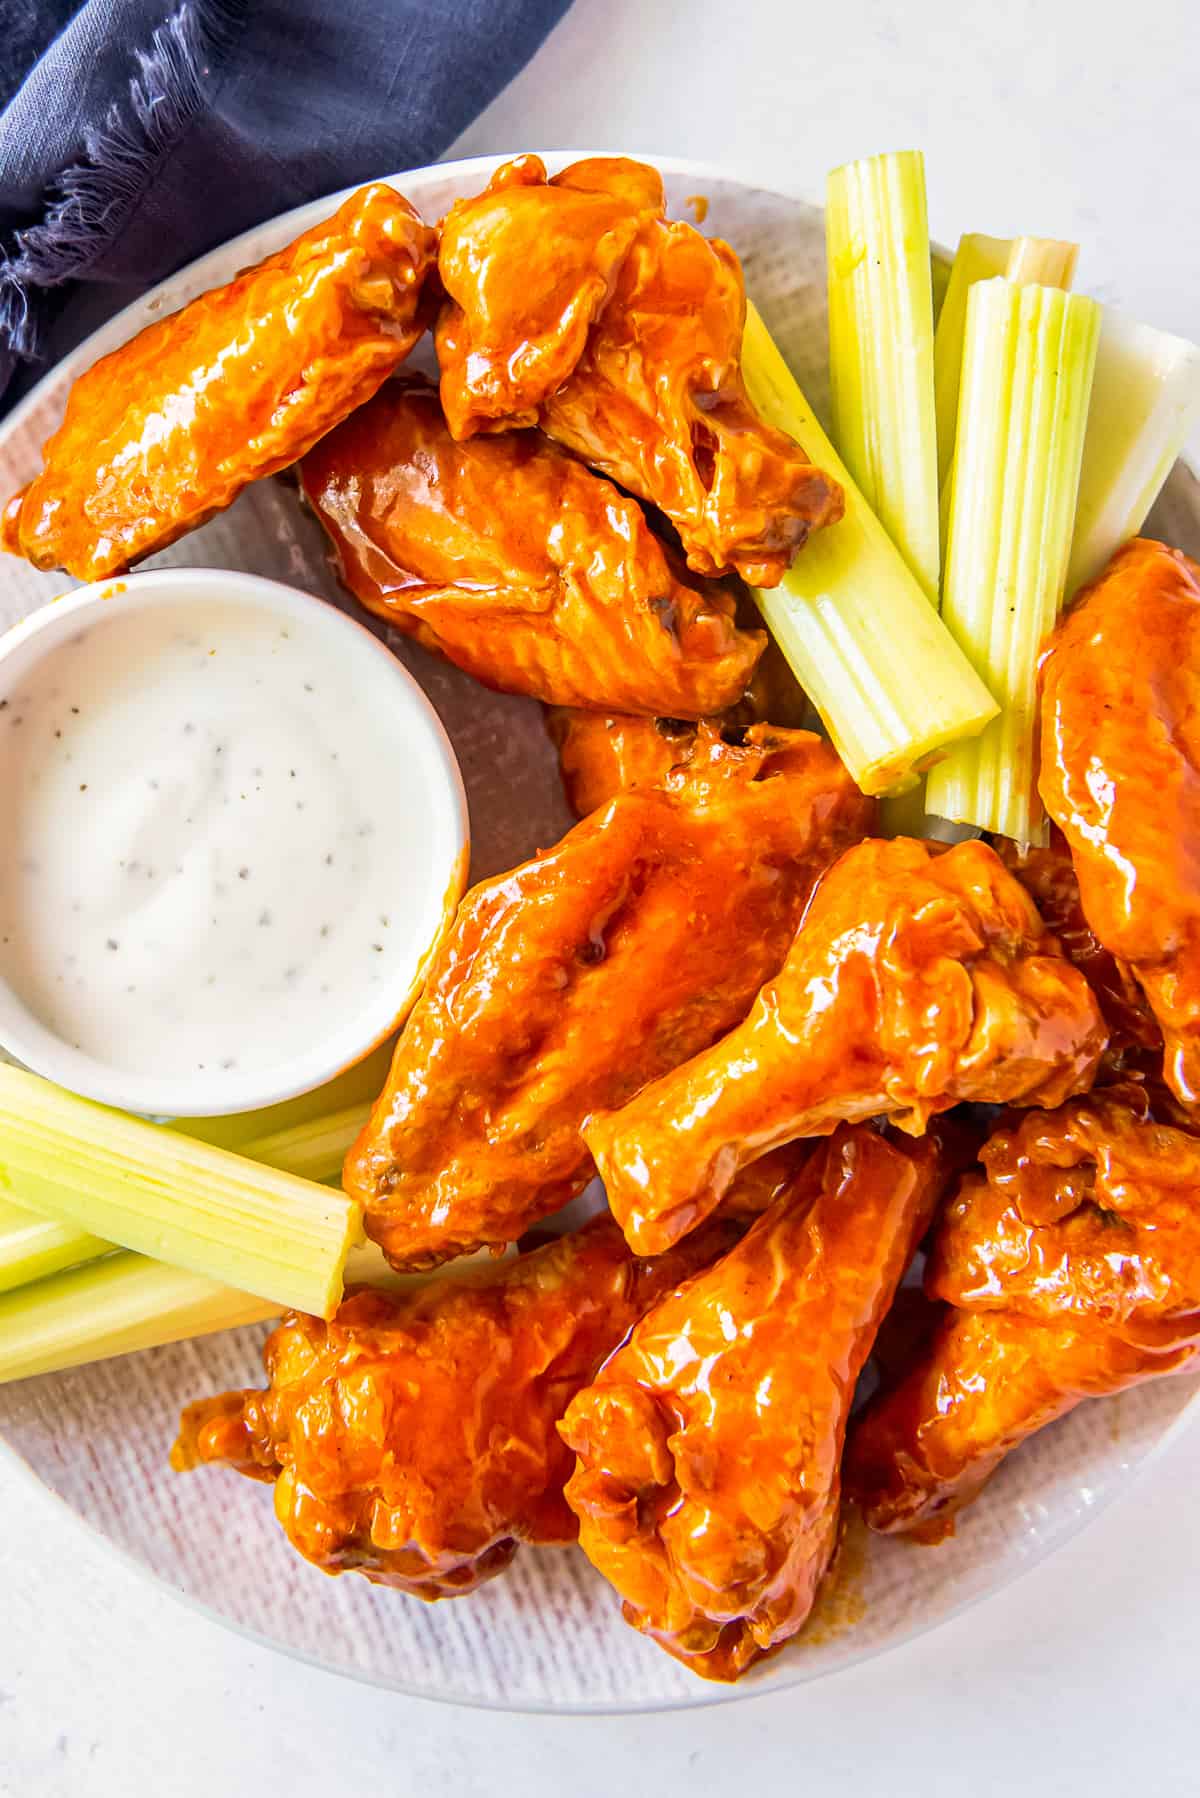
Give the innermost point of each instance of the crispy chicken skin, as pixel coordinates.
(918, 979)
(1069, 1270)
(519, 564)
(413, 1438)
(1120, 776)
(568, 983)
(625, 345)
(527, 265)
(168, 429)
(601, 754)
(709, 1445)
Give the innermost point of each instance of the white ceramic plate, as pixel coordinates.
(546, 1635)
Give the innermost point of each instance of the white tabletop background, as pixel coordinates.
(1073, 118)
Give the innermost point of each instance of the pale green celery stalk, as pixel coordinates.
(1042, 262)
(977, 258)
(124, 1303)
(905, 815)
(890, 683)
(881, 348)
(32, 1246)
(114, 1306)
(357, 1085)
(1145, 401)
(180, 1201)
(941, 265)
(1026, 380)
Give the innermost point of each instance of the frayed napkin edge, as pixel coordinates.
(95, 196)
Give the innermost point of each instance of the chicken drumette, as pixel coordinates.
(920, 977)
(625, 345)
(568, 983)
(413, 1439)
(168, 429)
(1120, 776)
(1070, 1270)
(707, 1486)
(517, 563)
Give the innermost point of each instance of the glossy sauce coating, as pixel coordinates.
(1120, 775)
(601, 754)
(918, 979)
(1048, 876)
(518, 564)
(169, 428)
(657, 401)
(1071, 1271)
(413, 1438)
(631, 360)
(527, 265)
(707, 1486)
(567, 984)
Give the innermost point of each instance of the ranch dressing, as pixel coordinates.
(197, 873)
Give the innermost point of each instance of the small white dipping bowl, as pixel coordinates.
(401, 772)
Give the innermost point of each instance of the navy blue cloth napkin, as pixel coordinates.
(148, 131)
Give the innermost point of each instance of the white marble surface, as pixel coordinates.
(1073, 117)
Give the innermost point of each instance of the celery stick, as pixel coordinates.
(1145, 401)
(941, 265)
(1026, 381)
(124, 1303)
(114, 1306)
(888, 680)
(32, 1246)
(183, 1202)
(978, 258)
(1042, 262)
(314, 1151)
(357, 1085)
(881, 348)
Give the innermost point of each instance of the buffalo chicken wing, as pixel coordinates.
(168, 429)
(567, 984)
(527, 265)
(707, 1486)
(1071, 1270)
(1120, 776)
(919, 979)
(518, 564)
(413, 1438)
(577, 303)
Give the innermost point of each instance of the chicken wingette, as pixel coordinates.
(168, 429)
(518, 564)
(1068, 1270)
(576, 303)
(1120, 776)
(567, 984)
